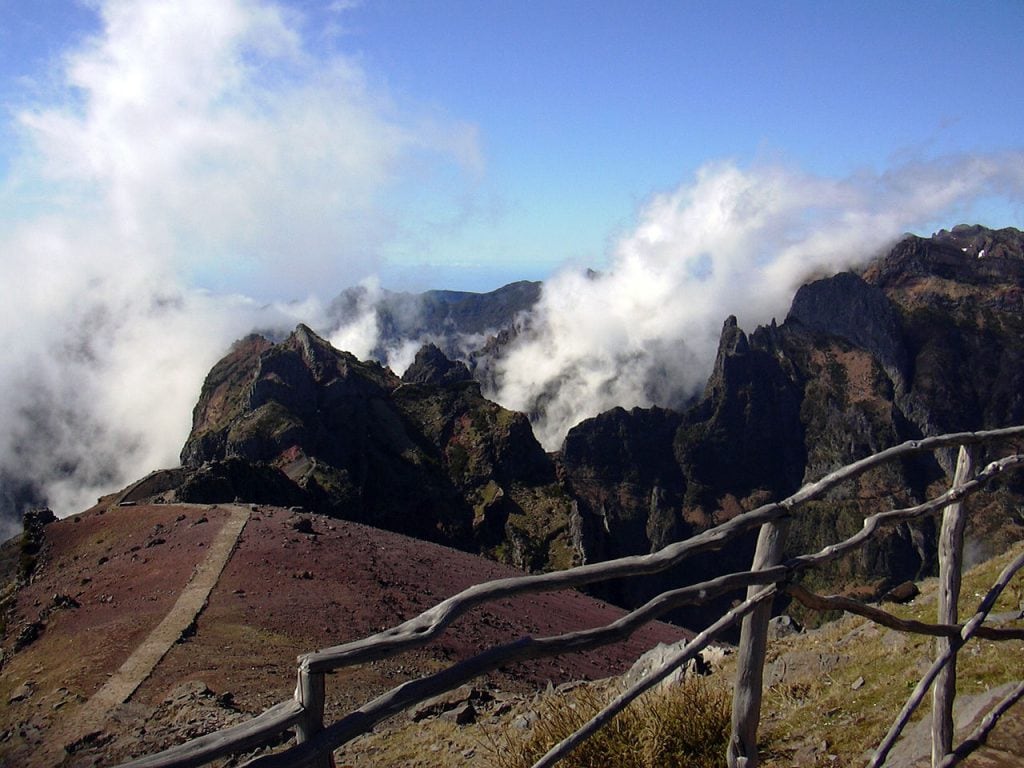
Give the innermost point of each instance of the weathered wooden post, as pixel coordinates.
(309, 691)
(746, 698)
(951, 549)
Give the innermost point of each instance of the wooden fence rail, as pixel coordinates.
(769, 575)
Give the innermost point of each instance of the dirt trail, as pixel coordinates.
(141, 663)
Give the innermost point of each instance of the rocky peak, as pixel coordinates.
(432, 366)
(732, 344)
(982, 242)
(302, 423)
(317, 354)
(745, 435)
(263, 398)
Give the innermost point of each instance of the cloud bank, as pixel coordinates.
(732, 241)
(190, 152)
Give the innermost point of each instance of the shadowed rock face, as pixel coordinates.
(628, 487)
(426, 455)
(960, 296)
(431, 366)
(848, 308)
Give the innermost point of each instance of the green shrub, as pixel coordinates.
(686, 725)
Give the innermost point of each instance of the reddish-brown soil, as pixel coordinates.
(283, 593)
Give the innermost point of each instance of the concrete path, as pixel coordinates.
(141, 663)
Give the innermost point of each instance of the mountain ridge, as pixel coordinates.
(924, 339)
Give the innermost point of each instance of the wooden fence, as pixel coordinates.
(769, 575)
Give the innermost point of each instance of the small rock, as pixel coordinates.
(21, 693)
(901, 593)
(462, 715)
(155, 542)
(31, 733)
(501, 710)
(451, 701)
(808, 754)
(303, 525)
(190, 690)
(858, 684)
(65, 601)
(783, 626)
(93, 739)
(28, 634)
(524, 721)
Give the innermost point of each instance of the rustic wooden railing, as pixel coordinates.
(769, 575)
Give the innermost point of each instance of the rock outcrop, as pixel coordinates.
(301, 423)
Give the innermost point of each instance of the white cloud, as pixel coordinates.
(733, 241)
(205, 126)
(192, 143)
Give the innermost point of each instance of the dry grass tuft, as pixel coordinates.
(686, 725)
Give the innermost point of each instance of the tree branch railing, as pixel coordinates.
(769, 574)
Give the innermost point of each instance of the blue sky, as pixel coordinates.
(586, 109)
(581, 111)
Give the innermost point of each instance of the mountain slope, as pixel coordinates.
(293, 583)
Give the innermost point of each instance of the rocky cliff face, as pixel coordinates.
(302, 423)
(926, 339)
(959, 296)
(620, 470)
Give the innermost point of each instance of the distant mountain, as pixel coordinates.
(444, 317)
